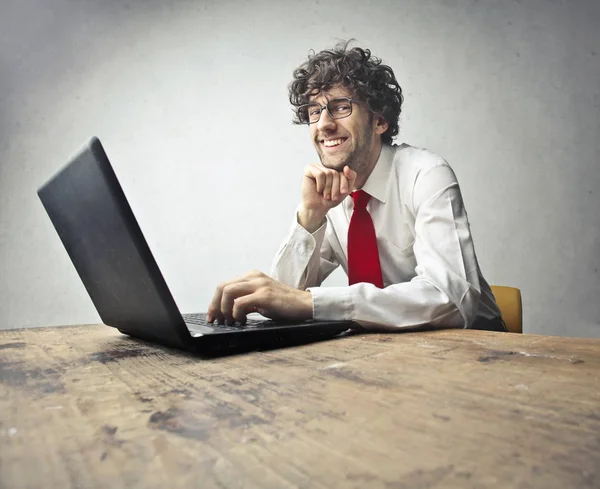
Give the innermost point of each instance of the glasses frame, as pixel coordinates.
(326, 107)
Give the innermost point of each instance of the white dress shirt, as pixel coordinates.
(430, 270)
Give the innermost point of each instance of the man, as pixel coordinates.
(391, 216)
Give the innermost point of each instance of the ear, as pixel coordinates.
(381, 125)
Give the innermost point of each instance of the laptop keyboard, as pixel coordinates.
(199, 319)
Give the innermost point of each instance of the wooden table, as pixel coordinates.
(88, 407)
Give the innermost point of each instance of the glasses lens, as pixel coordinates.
(310, 113)
(340, 108)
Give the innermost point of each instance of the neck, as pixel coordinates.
(372, 158)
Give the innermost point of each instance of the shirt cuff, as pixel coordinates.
(332, 303)
(305, 242)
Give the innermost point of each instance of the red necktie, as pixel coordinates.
(363, 256)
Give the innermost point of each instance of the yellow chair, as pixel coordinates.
(509, 302)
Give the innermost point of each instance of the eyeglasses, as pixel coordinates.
(338, 108)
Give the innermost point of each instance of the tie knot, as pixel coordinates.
(361, 199)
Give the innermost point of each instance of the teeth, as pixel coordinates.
(332, 142)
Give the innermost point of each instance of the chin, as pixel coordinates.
(335, 163)
(335, 166)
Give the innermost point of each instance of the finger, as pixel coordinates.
(335, 186)
(243, 306)
(312, 170)
(315, 172)
(320, 179)
(328, 184)
(351, 176)
(247, 304)
(350, 173)
(344, 184)
(214, 309)
(231, 293)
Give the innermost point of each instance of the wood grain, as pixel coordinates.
(88, 407)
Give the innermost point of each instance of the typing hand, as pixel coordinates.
(322, 189)
(257, 292)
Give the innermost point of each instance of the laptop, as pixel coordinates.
(96, 225)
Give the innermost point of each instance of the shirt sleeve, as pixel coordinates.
(445, 290)
(304, 259)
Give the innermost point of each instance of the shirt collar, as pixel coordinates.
(377, 183)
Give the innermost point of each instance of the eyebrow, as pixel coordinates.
(328, 97)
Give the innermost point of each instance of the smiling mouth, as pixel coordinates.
(332, 143)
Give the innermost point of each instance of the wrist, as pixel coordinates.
(310, 219)
(308, 305)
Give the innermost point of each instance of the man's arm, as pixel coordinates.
(446, 289)
(303, 260)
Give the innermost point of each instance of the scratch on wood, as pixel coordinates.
(278, 361)
(370, 357)
(334, 365)
(186, 394)
(346, 374)
(499, 354)
(109, 433)
(445, 350)
(140, 397)
(16, 344)
(110, 356)
(362, 477)
(179, 422)
(422, 478)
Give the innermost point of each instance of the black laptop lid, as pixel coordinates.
(100, 233)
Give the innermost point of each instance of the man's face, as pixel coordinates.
(348, 141)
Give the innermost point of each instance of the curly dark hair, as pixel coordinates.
(356, 70)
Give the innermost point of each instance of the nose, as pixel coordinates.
(326, 123)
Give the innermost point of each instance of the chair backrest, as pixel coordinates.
(509, 302)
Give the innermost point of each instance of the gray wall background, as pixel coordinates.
(190, 101)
